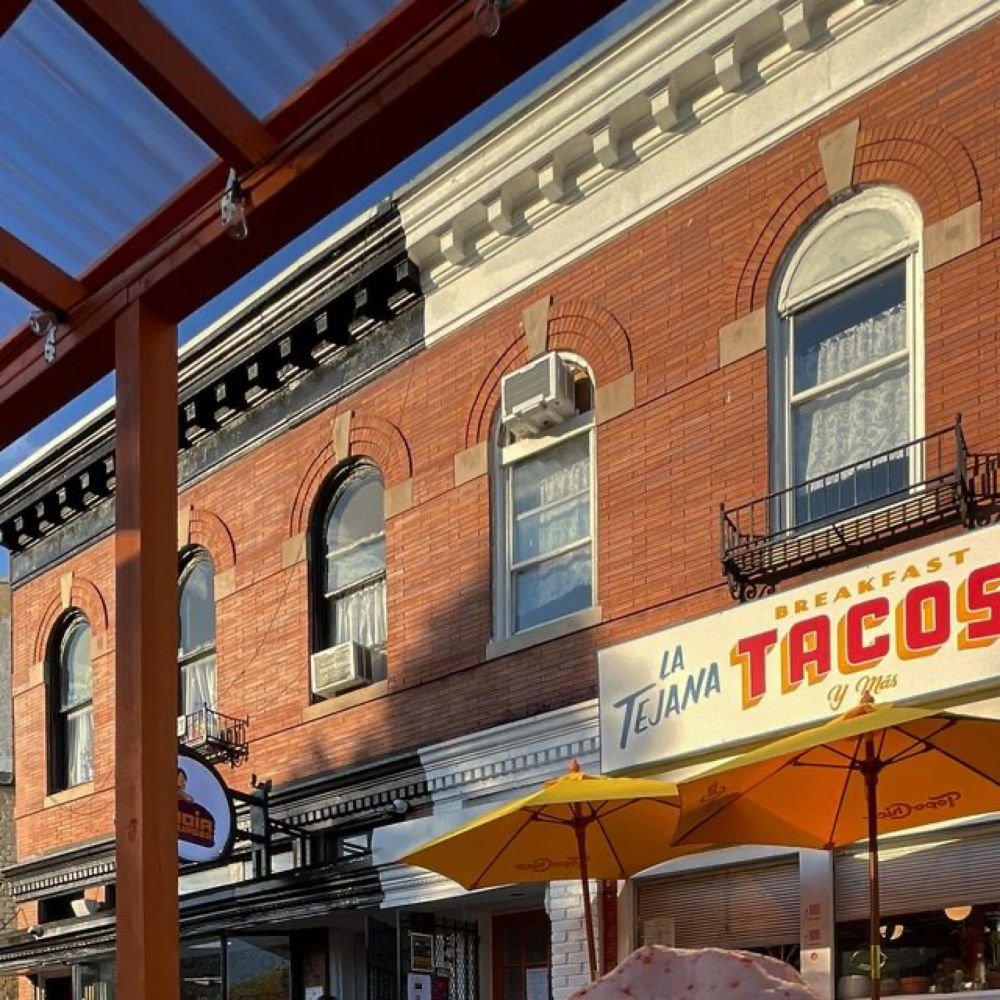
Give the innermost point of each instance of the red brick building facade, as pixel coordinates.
(675, 317)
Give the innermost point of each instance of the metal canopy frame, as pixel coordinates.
(417, 71)
(383, 98)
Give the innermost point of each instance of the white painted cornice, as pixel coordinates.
(513, 757)
(590, 97)
(698, 88)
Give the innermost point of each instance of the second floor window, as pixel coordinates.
(196, 634)
(544, 518)
(72, 744)
(845, 369)
(349, 565)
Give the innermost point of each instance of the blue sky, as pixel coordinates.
(390, 182)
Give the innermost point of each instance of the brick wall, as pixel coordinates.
(696, 436)
(570, 962)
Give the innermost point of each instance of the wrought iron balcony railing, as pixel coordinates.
(903, 492)
(215, 736)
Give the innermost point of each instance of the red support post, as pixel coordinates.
(147, 959)
(609, 925)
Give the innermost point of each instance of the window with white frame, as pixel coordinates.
(196, 635)
(348, 548)
(71, 706)
(544, 517)
(846, 364)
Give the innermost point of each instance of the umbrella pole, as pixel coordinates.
(581, 846)
(870, 771)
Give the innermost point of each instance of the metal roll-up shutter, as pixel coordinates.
(924, 871)
(746, 906)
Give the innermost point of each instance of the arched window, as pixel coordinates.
(846, 359)
(543, 501)
(196, 633)
(348, 564)
(70, 705)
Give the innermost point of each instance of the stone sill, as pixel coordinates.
(575, 622)
(69, 795)
(332, 706)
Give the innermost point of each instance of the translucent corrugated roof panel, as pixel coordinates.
(86, 152)
(13, 309)
(264, 50)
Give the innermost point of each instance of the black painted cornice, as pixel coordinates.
(298, 327)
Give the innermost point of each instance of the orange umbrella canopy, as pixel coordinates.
(627, 824)
(578, 826)
(809, 789)
(877, 769)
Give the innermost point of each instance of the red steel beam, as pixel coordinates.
(151, 53)
(36, 278)
(420, 70)
(147, 933)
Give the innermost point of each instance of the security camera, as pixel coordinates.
(399, 807)
(36, 931)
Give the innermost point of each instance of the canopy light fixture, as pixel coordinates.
(957, 913)
(45, 323)
(233, 208)
(487, 15)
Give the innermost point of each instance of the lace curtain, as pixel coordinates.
(79, 746)
(78, 713)
(868, 416)
(551, 494)
(360, 615)
(198, 678)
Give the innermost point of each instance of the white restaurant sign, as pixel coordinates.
(206, 820)
(920, 627)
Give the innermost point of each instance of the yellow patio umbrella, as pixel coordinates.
(576, 826)
(877, 769)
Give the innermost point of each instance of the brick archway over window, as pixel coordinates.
(924, 160)
(84, 595)
(210, 532)
(576, 326)
(372, 437)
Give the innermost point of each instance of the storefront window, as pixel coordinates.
(95, 981)
(940, 902)
(934, 951)
(201, 970)
(259, 968)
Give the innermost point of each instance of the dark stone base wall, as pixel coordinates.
(8, 987)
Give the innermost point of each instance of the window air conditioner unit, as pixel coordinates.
(340, 668)
(538, 396)
(84, 907)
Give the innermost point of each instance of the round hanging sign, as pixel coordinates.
(206, 820)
